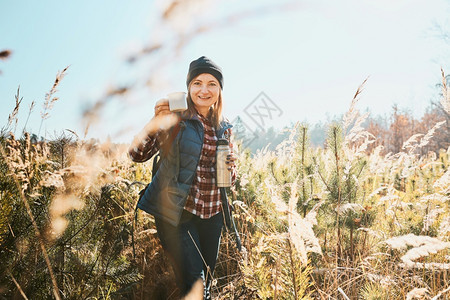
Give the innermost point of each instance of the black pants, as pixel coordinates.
(193, 247)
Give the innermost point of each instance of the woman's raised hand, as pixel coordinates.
(162, 107)
(162, 120)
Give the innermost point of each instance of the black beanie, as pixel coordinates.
(204, 65)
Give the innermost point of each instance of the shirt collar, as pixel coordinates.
(204, 120)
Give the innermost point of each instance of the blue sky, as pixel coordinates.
(308, 57)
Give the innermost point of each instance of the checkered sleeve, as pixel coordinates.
(144, 147)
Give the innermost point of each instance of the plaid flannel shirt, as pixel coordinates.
(204, 196)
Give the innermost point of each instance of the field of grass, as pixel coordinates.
(338, 222)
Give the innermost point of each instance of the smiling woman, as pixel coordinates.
(183, 196)
(205, 84)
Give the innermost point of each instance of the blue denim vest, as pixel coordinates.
(165, 197)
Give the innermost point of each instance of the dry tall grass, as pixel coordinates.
(332, 223)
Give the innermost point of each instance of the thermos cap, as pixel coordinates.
(222, 142)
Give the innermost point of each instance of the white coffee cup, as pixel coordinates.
(177, 101)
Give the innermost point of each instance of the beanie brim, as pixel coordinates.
(201, 66)
(196, 72)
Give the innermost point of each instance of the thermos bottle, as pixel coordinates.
(223, 175)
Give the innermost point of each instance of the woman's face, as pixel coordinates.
(204, 90)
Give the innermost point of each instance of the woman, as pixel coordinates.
(183, 196)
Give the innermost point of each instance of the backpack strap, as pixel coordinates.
(165, 148)
(172, 135)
